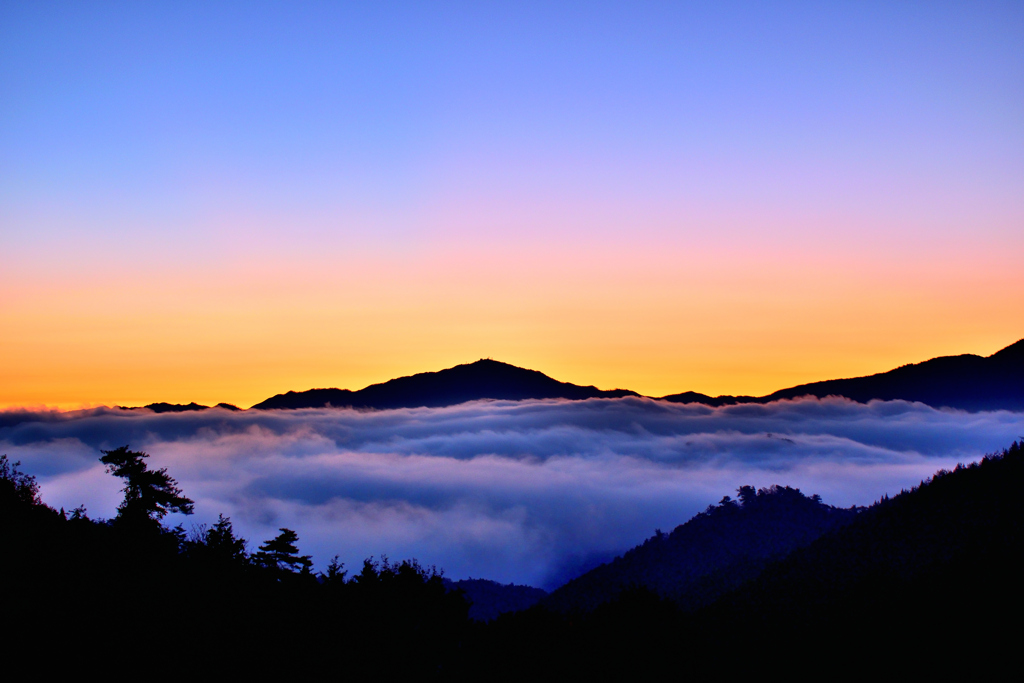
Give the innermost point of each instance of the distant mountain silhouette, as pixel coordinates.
(489, 379)
(714, 401)
(179, 407)
(968, 382)
(713, 553)
(488, 598)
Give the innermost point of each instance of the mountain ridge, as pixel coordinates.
(967, 382)
(483, 379)
(714, 552)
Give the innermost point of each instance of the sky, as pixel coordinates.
(223, 201)
(528, 492)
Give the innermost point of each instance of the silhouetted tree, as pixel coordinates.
(747, 494)
(218, 543)
(282, 553)
(17, 487)
(335, 573)
(148, 494)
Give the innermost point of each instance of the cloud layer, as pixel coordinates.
(526, 491)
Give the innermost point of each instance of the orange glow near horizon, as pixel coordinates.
(713, 322)
(221, 204)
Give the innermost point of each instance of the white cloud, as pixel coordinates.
(514, 491)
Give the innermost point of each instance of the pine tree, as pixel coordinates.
(217, 544)
(148, 494)
(282, 553)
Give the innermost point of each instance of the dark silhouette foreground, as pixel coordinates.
(923, 583)
(715, 552)
(161, 601)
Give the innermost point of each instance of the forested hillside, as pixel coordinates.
(714, 552)
(924, 582)
(937, 560)
(131, 594)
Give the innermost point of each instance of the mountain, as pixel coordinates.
(934, 565)
(470, 382)
(179, 407)
(961, 533)
(488, 599)
(922, 585)
(781, 554)
(967, 382)
(714, 552)
(713, 401)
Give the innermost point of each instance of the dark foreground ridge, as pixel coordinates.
(162, 602)
(924, 583)
(715, 552)
(489, 599)
(484, 379)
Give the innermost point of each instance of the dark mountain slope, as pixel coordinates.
(488, 598)
(954, 543)
(473, 381)
(203, 600)
(923, 585)
(927, 581)
(711, 554)
(967, 382)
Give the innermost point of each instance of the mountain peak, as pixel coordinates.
(485, 378)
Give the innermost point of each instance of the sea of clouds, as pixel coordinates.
(527, 492)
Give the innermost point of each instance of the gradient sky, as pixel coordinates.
(220, 203)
